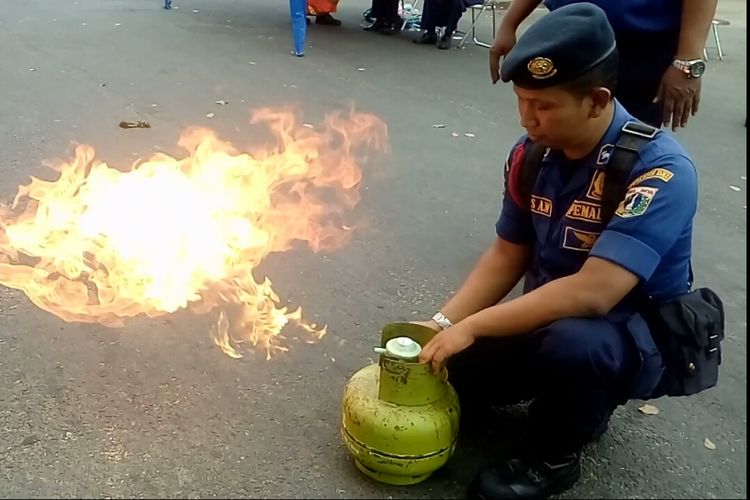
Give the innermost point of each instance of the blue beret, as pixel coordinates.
(561, 46)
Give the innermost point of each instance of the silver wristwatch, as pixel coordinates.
(442, 321)
(692, 68)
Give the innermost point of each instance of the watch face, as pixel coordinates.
(697, 68)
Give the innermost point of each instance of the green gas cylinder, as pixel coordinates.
(399, 418)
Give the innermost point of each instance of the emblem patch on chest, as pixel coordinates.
(579, 240)
(636, 201)
(596, 188)
(541, 205)
(605, 153)
(583, 210)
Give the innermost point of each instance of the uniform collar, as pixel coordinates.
(601, 154)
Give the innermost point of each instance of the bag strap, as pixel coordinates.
(532, 164)
(635, 135)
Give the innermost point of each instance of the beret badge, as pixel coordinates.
(541, 68)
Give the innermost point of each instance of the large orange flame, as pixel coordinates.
(99, 244)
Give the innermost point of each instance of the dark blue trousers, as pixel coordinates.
(644, 57)
(444, 13)
(385, 10)
(575, 371)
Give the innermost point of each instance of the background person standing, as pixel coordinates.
(661, 52)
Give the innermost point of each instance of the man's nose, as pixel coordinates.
(527, 116)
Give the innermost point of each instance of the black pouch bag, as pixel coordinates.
(687, 330)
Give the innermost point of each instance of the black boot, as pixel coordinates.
(427, 38)
(376, 26)
(391, 28)
(327, 20)
(527, 478)
(445, 41)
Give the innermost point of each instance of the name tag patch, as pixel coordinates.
(541, 205)
(583, 210)
(579, 240)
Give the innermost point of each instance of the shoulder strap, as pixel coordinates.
(635, 135)
(532, 163)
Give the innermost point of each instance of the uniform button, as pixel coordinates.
(691, 367)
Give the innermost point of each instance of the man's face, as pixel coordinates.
(553, 116)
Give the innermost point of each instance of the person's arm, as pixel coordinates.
(628, 251)
(505, 261)
(518, 11)
(679, 94)
(592, 291)
(493, 277)
(696, 21)
(505, 38)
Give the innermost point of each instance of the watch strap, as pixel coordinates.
(442, 320)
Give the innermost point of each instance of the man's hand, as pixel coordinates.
(679, 96)
(445, 344)
(504, 41)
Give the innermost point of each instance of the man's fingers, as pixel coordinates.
(659, 94)
(427, 352)
(687, 108)
(494, 66)
(677, 109)
(696, 102)
(437, 361)
(668, 108)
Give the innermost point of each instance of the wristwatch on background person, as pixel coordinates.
(441, 320)
(693, 68)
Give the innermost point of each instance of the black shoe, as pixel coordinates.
(327, 20)
(444, 42)
(427, 38)
(307, 21)
(391, 28)
(527, 478)
(376, 26)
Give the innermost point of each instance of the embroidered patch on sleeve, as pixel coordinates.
(658, 173)
(636, 201)
(596, 188)
(541, 206)
(579, 240)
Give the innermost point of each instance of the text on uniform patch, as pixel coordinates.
(660, 173)
(583, 210)
(541, 205)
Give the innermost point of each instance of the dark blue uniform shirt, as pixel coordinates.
(649, 235)
(635, 15)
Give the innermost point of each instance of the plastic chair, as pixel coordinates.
(411, 15)
(486, 6)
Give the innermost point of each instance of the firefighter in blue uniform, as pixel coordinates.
(575, 342)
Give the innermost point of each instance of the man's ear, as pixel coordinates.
(600, 99)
